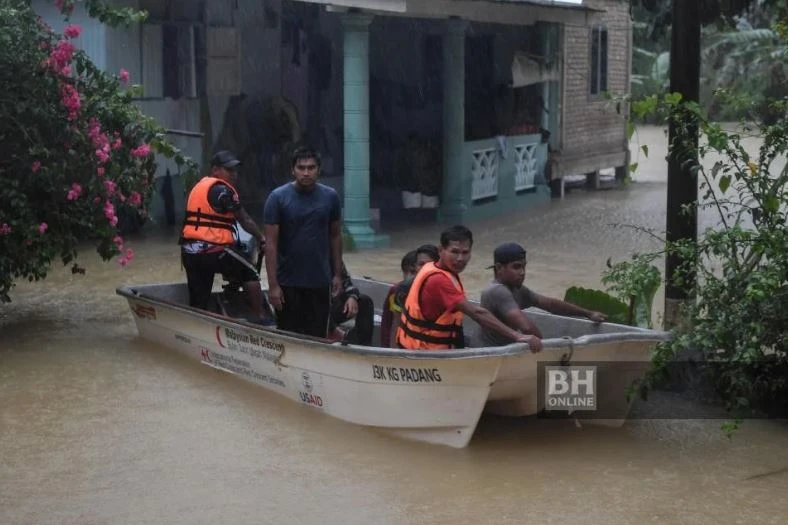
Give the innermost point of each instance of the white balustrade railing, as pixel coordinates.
(484, 173)
(525, 165)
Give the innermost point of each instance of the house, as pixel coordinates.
(463, 108)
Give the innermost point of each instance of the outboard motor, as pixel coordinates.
(245, 248)
(232, 300)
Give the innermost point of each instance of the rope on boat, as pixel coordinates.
(567, 358)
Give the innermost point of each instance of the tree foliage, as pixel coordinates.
(76, 154)
(742, 54)
(736, 325)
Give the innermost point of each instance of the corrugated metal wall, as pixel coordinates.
(93, 39)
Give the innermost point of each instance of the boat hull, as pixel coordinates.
(436, 399)
(431, 396)
(623, 351)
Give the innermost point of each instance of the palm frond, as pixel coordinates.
(644, 53)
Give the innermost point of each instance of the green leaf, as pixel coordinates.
(633, 167)
(644, 147)
(771, 203)
(673, 99)
(725, 183)
(630, 130)
(599, 301)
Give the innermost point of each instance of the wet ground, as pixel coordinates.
(100, 427)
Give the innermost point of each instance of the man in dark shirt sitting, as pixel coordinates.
(351, 304)
(423, 254)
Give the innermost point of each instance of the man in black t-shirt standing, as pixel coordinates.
(304, 248)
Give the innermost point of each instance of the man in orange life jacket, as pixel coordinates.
(212, 208)
(436, 303)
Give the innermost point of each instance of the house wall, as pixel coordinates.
(227, 120)
(93, 39)
(594, 134)
(123, 47)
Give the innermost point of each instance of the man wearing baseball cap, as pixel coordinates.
(506, 297)
(209, 232)
(435, 308)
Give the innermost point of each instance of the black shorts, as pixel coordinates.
(305, 310)
(200, 269)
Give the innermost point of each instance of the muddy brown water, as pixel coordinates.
(100, 427)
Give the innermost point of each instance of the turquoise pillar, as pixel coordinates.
(455, 198)
(550, 90)
(356, 130)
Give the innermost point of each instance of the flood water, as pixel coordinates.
(100, 427)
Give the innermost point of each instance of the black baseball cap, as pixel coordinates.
(225, 159)
(506, 253)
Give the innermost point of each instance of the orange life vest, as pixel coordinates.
(202, 222)
(417, 333)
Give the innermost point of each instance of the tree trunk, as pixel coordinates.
(683, 136)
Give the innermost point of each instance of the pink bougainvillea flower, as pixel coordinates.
(100, 171)
(103, 156)
(61, 56)
(114, 221)
(42, 228)
(111, 187)
(127, 258)
(118, 240)
(141, 151)
(70, 100)
(99, 139)
(109, 210)
(74, 192)
(5, 229)
(36, 166)
(124, 75)
(72, 31)
(135, 199)
(117, 144)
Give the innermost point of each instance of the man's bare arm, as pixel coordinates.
(271, 253)
(487, 320)
(516, 318)
(559, 307)
(249, 225)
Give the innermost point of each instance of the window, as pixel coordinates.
(170, 66)
(598, 66)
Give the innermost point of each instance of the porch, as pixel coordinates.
(490, 157)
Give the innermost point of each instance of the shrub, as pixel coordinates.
(75, 152)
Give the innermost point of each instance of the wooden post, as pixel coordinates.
(682, 180)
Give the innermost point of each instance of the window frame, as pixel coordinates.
(599, 36)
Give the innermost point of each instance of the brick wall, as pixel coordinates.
(591, 125)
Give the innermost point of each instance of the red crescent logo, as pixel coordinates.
(219, 336)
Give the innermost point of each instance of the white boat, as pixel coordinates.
(435, 397)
